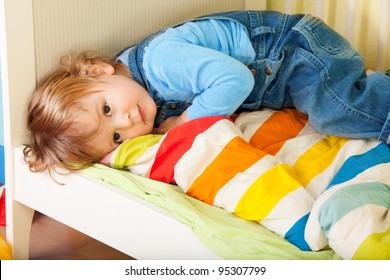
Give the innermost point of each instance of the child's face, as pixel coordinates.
(122, 109)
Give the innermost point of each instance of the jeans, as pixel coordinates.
(302, 63)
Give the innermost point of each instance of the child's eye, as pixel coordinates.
(106, 110)
(117, 138)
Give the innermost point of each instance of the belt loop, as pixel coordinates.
(258, 40)
(274, 54)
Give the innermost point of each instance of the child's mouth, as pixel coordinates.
(142, 114)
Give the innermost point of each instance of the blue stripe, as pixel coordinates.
(296, 234)
(358, 163)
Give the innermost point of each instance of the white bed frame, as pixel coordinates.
(33, 36)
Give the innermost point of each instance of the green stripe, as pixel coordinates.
(350, 198)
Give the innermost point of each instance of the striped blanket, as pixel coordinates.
(272, 168)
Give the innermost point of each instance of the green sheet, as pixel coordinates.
(227, 235)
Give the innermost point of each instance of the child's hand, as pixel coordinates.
(171, 122)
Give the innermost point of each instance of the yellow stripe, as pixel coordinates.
(317, 158)
(265, 192)
(130, 150)
(374, 247)
(277, 182)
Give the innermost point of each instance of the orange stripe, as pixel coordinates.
(281, 126)
(236, 157)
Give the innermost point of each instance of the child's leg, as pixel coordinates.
(323, 76)
(345, 102)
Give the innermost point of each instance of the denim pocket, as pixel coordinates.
(322, 39)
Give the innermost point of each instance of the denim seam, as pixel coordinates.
(306, 27)
(385, 133)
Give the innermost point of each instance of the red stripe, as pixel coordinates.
(176, 143)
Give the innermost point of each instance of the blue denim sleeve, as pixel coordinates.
(200, 72)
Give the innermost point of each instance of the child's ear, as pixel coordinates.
(100, 69)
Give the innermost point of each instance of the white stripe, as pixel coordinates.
(353, 147)
(204, 150)
(231, 193)
(377, 173)
(351, 230)
(249, 122)
(145, 162)
(314, 236)
(288, 211)
(295, 147)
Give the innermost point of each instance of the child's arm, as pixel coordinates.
(171, 123)
(214, 82)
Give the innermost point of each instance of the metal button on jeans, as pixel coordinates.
(253, 72)
(268, 71)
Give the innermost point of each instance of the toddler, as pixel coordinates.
(217, 64)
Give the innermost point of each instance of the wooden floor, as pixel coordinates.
(51, 240)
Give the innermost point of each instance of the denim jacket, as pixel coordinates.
(300, 62)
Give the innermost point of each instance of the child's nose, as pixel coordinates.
(127, 119)
(134, 114)
(123, 121)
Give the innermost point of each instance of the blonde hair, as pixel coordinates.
(56, 140)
